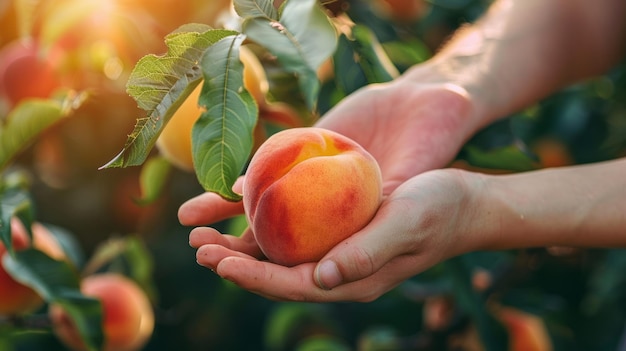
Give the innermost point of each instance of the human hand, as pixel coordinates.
(408, 127)
(418, 225)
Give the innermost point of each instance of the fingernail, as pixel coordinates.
(327, 275)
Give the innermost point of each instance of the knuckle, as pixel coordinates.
(359, 263)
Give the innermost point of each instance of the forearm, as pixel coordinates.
(583, 206)
(523, 50)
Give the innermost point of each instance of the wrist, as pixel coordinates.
(440, 72)
(475, 226)
(511, 212)
(572, 206)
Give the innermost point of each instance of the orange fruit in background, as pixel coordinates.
(527, 332)
(128, 317)
(402, 10)
(16, 298)
(24, 73)
(174, 143)
(552, 153)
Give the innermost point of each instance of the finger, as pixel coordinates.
(210, 255)
(209, 236)
(271, 280)
(282, 283)
(209, 208)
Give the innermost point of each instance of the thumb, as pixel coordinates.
(365, 252)
(350, 264)
(418, 221)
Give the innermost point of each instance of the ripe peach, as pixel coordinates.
(16, 298)
(128, 318)
(553, 153)
(403, 10)
(306, 190)
(24, 74)
(174, 143)
(438, 312)
(527, 332)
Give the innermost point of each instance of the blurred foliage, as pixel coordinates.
(579, 295)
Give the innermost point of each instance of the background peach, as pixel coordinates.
(25, 73)
(16, 298)
(128, 318)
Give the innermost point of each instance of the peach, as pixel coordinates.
(527, 332)
(552, 153)
(403, 10)
(128, 318)
(24, 73)
(307, 189)
(16, 298)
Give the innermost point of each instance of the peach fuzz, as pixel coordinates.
(128, 318)
(16, 298)
(306, 190)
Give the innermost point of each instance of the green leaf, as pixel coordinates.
(372, 58)
(407, 53)
(69, 243)
(510, 157)
(349, 75)
(237, 225)
(14, 201)
(380, 338)
(160, 84)
(302, 40)
(31, 117)
(256, 8)
(501, 145)
(86, 313)
(5, 341)
(322, 343)
(222, 136)
(141, 265)
(492, 333)
(288, 322)
(58, 283)
(127, 255)
(606, 282)
(153, 178)
(361, 60)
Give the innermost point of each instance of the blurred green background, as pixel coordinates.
(579, 295)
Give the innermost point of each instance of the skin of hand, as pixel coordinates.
(425, 129)
(419, 222)
(417, 123)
